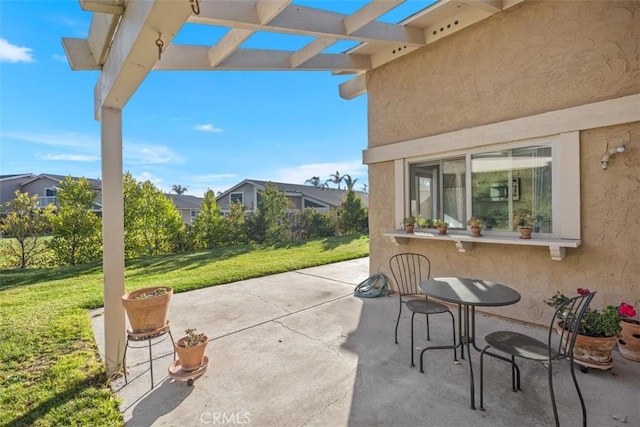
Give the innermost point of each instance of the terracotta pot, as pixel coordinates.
(476, 231)
(525, 232)
(409, 228)
(592, 352)
(191, 357)
(442, 230)
(629, 340)
(147, 314)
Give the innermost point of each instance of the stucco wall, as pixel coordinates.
(537, 57)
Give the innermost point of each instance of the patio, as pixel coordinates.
(299, 349)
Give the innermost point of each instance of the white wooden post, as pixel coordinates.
(113, 237)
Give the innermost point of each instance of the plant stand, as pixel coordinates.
(178, 374)
(146, 336)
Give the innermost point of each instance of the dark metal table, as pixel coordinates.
(467, 293)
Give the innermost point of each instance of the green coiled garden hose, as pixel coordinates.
(374, 286)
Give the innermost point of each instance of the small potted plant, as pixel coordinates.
(598, 333)
(423, 222)
(476, 225)
(190, 349)
(441, 225)
(147, 308)
(409, 223)
(629, 339)
(525, 222)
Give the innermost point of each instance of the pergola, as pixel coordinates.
(129, 38)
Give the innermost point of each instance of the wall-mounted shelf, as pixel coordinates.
(465, 242)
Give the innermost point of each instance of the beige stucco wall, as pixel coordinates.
(536, 57)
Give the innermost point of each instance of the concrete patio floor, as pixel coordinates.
(298, 349)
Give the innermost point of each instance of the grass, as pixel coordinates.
(50, 370)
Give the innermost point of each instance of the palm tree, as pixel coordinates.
(364, 188)
(336, 178)
(315, 181)
(349, 182)
(178, 189)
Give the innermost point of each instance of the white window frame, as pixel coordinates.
(565, 152)
(241, 193)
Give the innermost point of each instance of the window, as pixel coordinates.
(500, 184)
(508, 181)
(437, 190)
(194, 214)
(236, 197)
(311, 204)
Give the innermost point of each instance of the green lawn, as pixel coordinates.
(50, 370)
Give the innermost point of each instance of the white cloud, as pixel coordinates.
(58, 139)
(13, 53)
(60, 58)
(299, 174)
(68, 157)
(148, 176)
(208, 128)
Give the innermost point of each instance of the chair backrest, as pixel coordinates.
(408, 271)
(566, 323)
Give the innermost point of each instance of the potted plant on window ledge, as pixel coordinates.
(409, 223)
(476, 225)
(441, 225)
(524, 220)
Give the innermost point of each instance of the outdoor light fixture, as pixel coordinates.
(605, 159)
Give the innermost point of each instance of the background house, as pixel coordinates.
(45, 186)
(188, 206)
(549, 86)
(301, 196)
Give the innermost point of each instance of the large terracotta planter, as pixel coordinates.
(191, 357)
(147, 314)
(592, 352)
(629, 340)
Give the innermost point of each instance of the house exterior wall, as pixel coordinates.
(248, 200)
(8, 187)
(535, 58)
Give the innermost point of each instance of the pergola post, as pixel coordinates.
(113, 237)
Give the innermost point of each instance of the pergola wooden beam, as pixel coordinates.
(133, 52)
(112, 7)
(301, 20)
(190, 57)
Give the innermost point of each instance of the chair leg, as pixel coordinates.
(453, 324)
(513, 374)
(482, 378)
(553, 397)
(398, 321)
(428, 336)
(412, 315)
(575, 382)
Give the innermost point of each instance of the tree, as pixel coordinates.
(364, 188)
(209, 226)
(179, 189)
(76, 228)
(26, 223)
(236, 224)
(315, 181)
(349, 182)
(352, 216)
(310, 223)
(151, 220)
(270, 223)
(336, 178)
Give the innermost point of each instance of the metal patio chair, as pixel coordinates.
(408, 270)
(559, 346)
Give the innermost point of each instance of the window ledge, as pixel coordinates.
(464, 242)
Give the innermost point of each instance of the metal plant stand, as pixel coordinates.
(163, 333)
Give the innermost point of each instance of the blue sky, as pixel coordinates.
(197, 129)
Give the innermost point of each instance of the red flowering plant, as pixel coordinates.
(627, 312)
(595, 323)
